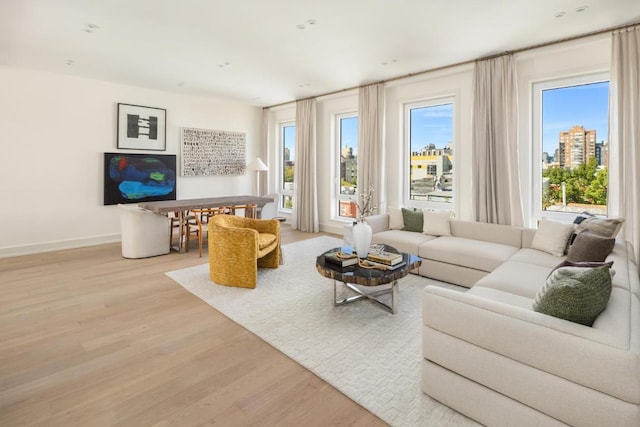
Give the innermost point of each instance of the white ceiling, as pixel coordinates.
(254, 52)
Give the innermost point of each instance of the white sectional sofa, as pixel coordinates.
(490, 356)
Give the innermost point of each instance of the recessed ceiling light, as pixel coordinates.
(311, 21)
(91, 28)
(560, 14)
(300, 27)
(181, 84)
(70, 62)
(582, 8)
(224, 65)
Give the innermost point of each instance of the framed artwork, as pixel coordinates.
(142, 128)
(133, 178)
(207, 152)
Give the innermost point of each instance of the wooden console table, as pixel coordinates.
(182, 206)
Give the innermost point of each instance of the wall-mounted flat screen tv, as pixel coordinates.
(133, 178)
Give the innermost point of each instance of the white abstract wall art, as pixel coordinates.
(208, 152)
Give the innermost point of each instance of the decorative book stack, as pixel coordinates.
(386, 258)
(341, 259)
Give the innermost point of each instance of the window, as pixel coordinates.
(429, 141)
(571, 171)
(347, 160)
(288, 146)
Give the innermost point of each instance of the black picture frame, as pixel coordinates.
(141, 128)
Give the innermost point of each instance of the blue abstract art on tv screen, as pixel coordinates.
(133, 178)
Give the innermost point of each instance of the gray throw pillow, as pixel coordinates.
(590, 247)
(413, 220)
(606, 227)
(578, 296)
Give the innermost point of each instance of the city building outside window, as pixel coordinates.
(429, 138)
(287, 161)
(571, 138)
(347, 162)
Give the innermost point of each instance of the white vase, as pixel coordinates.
(362, 238)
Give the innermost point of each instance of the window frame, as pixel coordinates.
(406, 179)
(337, 195)
(281, 184)
(537, 89)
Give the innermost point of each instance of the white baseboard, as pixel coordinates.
(58, 245)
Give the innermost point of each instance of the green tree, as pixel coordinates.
(288, 174)
(596, 192)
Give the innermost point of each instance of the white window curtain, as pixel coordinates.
(496, 185)
(371, 143)
(263, 150)
(624, 133)
(305, 202)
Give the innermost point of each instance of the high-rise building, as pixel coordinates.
(602, 153)
(577, 146)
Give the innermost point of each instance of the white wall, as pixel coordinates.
(54, 130)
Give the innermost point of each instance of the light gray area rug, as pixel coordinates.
(365, 352)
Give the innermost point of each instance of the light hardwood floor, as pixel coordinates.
(88, 338)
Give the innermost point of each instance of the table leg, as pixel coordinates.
(372, 296)
(181, 246)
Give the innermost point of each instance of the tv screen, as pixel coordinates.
(133, 178)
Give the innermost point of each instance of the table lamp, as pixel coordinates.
(258, 166)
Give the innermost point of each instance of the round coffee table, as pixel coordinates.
(360, 276)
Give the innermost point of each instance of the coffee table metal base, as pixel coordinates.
(372, 296)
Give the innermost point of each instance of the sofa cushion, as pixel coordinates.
(404, 241)
(575, 294)
(606, 227)
(518, 278)
(534, 256)
(437, 223)
(487, 232)
(396, 221)
(590, 247)
(552, 237)
(413, 220)
(505, 297)
(476, 254)
(265, 239)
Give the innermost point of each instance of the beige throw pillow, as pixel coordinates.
(437, 223)
(552, 237)
(396, 222)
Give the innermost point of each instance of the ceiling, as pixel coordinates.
(265, 52)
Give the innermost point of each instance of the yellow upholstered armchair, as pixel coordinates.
(238, 246)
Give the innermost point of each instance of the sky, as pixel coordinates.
(562, 108)
(586, 105)
(431, 125)
(349, 133)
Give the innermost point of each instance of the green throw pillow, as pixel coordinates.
(413, 220)
(576, 295)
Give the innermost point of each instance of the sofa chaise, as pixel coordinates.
(490, 356)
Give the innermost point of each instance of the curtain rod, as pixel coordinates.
(470, 61)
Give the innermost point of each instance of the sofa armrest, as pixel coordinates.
(566, 349)
(378, 222)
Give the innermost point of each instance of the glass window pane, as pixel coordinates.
(348, 148)
(575, 151)
(288, 166)
(431, 159)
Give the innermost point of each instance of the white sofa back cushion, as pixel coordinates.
(495, 233)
